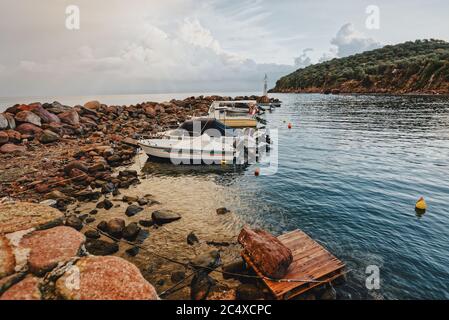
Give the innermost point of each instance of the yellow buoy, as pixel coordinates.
(421, 204)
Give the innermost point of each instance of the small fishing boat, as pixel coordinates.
(235, 114)
(204, 141)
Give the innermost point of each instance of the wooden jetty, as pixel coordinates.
(311, 262)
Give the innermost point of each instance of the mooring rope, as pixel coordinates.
(190, 265)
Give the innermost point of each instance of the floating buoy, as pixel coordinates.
(289, 125)
(421, 206)
(257, 172)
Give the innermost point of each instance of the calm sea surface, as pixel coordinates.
(349, 173)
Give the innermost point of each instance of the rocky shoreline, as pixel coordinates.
(73, 223)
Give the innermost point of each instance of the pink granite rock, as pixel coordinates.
(27, 289)
(104, 278)
(50, 247)
(7, 259)
(29, 117)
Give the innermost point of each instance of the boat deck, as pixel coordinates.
(311, 262)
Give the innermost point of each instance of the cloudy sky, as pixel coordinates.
(146, 46)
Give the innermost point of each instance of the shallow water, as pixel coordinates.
(350, 171)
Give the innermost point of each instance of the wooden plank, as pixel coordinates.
(311, 261)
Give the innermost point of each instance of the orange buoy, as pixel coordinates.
(257, 172)
(289, 125)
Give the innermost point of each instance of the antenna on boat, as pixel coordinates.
(265, 85)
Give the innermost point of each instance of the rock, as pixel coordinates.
(28, 129)
(90, 220)
(92, 234)
(142, 201)
(108, 188)
(94, 211)
(3, 122)
(115, 227)
(164, 216)
(192, 239)
(132, 210)
(11, 120)
(27, 289)
(12, 148)
(131, 231)
(56, 195)
(56, 108)
(329, 293)
(103, 226)
(266, 252)
(146, 223)
(7, 259)
(222, 211)
(74, 222)
(70, 117)
(92, 105)
(46, 116)
(14, 136)
(101, 247)
(48, 136)
(200, 286)
(132, 252)
(49, 247)
(129, 199)
(207, 261)
(23, 216)
(75, 165)
(28, 117)
(249, 291)
(105, 204)
(143, 234)
(177, 276)
(4, 138)
(106, 278)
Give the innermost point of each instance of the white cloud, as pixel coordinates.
(303, 60)
(349, 41)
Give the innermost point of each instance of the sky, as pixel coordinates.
(150, 46)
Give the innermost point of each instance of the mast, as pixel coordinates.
(265, 85)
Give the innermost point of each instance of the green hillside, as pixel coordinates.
(421, 66)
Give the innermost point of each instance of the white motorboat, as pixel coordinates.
(204, 141)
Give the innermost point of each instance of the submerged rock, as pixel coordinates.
(200, 286)
(106, 278)
(222, 211)
(74, 222)
(115, 227)
(164, 216)
(207, 262)
(92, 234)
(249, 291)
(132, 210)
(99, 247)
(192, 239)
(131, 231)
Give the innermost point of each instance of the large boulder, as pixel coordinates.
(49, 247)
(18, 216)
(12, 148)
(270, 256)
(27, 289)
(105, 278)
(70, 117)
(28, 117)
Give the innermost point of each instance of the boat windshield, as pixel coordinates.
(195, 126)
